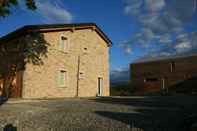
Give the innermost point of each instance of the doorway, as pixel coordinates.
(11, 87)
(100, 86)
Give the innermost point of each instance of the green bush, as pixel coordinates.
(121, 90)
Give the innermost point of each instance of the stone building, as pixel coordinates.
(55, 61)
(171, 75)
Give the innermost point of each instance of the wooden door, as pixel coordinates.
(14, 90)
(18, 86)
(1, 87)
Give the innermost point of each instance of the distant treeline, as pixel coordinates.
(123, 89)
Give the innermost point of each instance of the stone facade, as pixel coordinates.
(168, 75)
(41, 81)
(85, 61)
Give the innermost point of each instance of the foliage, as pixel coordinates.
(5, 6)
(35, 49)
(124, 89)
(29, 49)
(14, 54)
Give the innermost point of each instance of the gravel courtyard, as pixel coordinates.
(167, 113)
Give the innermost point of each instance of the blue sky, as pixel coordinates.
(139, 29)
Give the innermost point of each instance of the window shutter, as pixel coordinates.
(63, 43)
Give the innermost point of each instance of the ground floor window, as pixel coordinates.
(62, 78)
(151, 79)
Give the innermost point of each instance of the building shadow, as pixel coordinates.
(169, 113)
(10, 127)
(187, 86)
(145, 101)
(148, 120)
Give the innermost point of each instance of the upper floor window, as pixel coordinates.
(62, 78)
(172, 66)
(63, 44)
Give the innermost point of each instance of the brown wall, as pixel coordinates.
(40, 81)
(147, 77)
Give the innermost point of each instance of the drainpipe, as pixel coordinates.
(163, 85)
(78, 67)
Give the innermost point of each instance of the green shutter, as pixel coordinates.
(61, 78)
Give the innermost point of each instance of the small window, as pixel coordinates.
(63, 45)
(81, 75)
(151, 79)
(172, 66)
(85, 50)
(62, 78)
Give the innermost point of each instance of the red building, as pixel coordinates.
(172, 75)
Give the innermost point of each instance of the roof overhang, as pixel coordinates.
(53, 28)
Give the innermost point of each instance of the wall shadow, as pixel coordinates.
(146, 120)
(15, 53)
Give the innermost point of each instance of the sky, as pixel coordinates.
(139, 29)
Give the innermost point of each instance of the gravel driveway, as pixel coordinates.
(111, 113)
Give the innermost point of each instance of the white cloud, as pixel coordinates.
(165, 54)
(154, 5)
(165, 38)
(182, 36)
(133, 7)
(162, 21)
(53, 12)
(183, 46)
(129, 51)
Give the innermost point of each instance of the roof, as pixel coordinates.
(53, 27)
(169, 58)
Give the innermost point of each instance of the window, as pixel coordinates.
(151, 79)
(62, 78)
(172, 66)
(81, 75)
(63, 45)
(85, 50)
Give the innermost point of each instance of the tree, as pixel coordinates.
(6, 4)
(14, 54)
